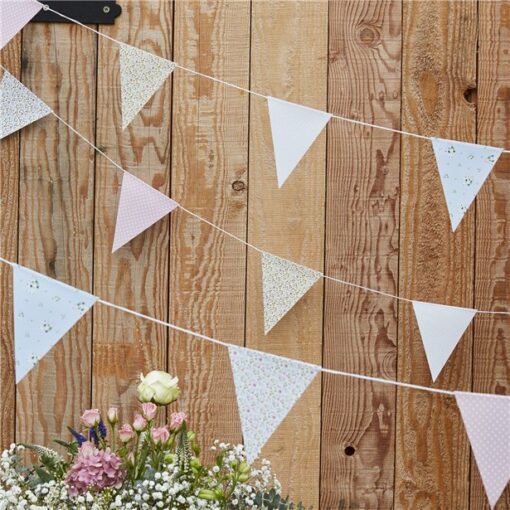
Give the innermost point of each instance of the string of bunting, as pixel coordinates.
(463, 167)
(46, 309)
(284, 282)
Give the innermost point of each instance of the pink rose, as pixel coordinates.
(140, 423)
(177, 419)
(91, 418)
(161, 435)
(149, 410)
(126, 433)
(113, 415)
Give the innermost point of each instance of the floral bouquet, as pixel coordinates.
(137, 465)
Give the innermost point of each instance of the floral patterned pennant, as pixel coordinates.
(267, 387)
(463, 168)
(284, 284)
(44, 311)
(141, 75)
(19, 107)
(487, 422)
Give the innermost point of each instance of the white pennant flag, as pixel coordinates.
(141, 75)
(19, 107)
(44, 311)
(14, 15)
(294, 128)
(487, 422)
(140, 206)
(463, 168)
(441, 328)
(267, 387)
(284, 283)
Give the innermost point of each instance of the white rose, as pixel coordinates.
(158, 387)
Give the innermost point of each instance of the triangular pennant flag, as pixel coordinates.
(267, 387)
(141, 75)
(284, 283)
(18, 106)
(294, 128)
(487, 422)
(441, 328)
(44, 311)
(463, 168)
(140, 206)
(14, 15)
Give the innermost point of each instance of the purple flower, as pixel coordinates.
(93, 437)
(80, 438)
(102, 429)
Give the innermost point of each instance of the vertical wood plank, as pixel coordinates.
(209, 176)
(56, 216)
(491, 349)
(10, 58)
(439, 63)
(362, 220)
(289, 61)
(136, 275)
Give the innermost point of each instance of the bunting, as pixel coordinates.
(487, 422)
(44, 311)
(294, 129)
(463, 168)
(441, 327)
(267, 387)
(141, 75)
(284, 283)
(14, 15)
(18, 106)
(140, 206)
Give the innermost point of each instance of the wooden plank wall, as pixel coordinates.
(364, 205)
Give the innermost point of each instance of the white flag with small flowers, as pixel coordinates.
(19, 107)
(267, 387)
(463, 168)
(284, 283)
(141, 75)
(44, 311)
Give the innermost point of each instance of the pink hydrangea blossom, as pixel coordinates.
(94, 469)
(177, 419)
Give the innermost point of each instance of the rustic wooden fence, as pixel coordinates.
(364, 205)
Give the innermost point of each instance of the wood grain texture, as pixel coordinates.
(362, 209)
(10, 58)
(56, 217)
(137, 274)
(363, 205)
(439, 63)
(290, 39)
(491, 348)
(209, 177)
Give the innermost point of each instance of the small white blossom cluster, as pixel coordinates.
(167, 489)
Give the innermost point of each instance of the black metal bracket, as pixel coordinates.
(93, 12)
